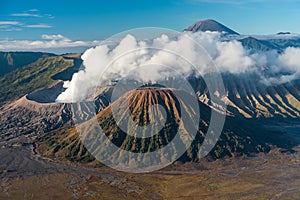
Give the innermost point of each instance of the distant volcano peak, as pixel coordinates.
(210, 25)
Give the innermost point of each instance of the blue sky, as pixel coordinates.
(97, 20)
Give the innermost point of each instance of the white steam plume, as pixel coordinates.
(228, 56)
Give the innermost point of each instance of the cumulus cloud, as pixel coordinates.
(284, 68)
(54, 37)
(130, 54)
(233, 57)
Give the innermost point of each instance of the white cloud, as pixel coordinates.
(48, 42)
(32, 13)
(33, 10)
(38, 26)
(17, 26)
(24, 15)
(9, 23)
(228, 57)
(54, 37)
(50, 16)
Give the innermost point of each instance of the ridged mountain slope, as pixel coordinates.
(237, 138)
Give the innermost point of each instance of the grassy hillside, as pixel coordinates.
(36, 75)
(10, 61)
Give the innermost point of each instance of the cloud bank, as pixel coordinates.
(130, 54)
(48, 42)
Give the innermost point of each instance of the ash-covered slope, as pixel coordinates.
(210, 25)
(34, 114)
(26, 117)
(38, 113)
(248, 97)
(238, 137)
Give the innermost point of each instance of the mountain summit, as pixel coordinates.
(210, 25)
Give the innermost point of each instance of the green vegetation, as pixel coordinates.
(64, 143)
(31, 77)
(10, 61)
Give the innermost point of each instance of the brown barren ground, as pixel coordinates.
(272, 176)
